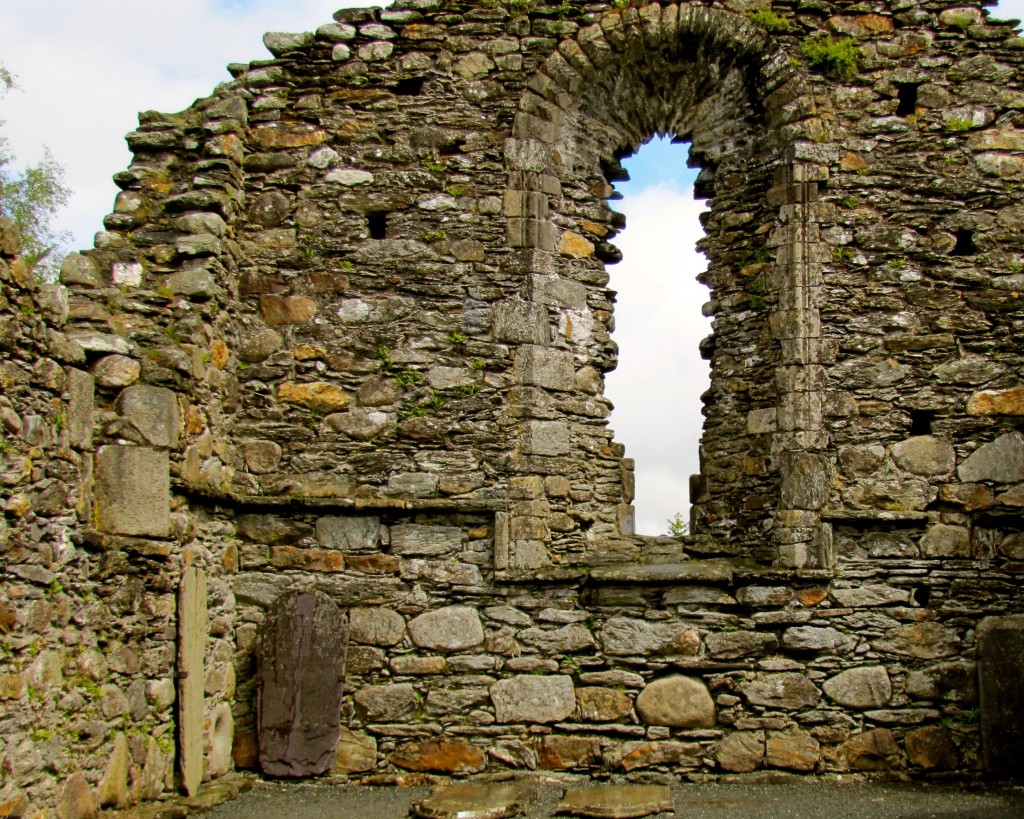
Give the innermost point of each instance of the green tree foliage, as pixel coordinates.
(32, 196)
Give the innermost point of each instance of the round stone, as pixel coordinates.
(678, 702)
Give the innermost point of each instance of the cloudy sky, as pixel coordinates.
(85, 68)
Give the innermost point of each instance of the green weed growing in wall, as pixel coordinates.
(838, 59)
(769, 20)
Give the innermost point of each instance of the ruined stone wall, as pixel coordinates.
(347, 328)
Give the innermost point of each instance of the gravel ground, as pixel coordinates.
(831, 799)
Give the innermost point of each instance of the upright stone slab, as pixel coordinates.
(192, 630)
(300, 673)
(1001, 691)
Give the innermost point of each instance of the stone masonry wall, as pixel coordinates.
(346, 330)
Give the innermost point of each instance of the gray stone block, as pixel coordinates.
(546, 438)
(533, 698)
(349, 534)
(132, 491)
(152, 412)
(1000, 461)
(452, 628)
(547, 367)
(521, 321)
(78, 385)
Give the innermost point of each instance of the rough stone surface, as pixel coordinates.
(867, 687)
(132, 491)
(533, 699)
(678, 702)
(454, 628)
(741, 751)
(1001, 461)
(475, 801)
(786, 690)
(301, 662)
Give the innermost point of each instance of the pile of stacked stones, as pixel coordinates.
(346, 330)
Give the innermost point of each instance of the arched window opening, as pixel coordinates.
(656, 388)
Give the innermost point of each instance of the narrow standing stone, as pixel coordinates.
(192, 628)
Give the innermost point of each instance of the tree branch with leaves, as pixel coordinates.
(32, 196)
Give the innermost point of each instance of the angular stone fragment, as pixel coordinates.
(356, 752)
(866, 687)
(787, 690)
(731, 645)
(741, 751)
(627, 636)
(870, 595)
(565, 640)
(1001, 461)
(284, 310)
(564, 753)
(925, 640)
(349, 534)
(632, 756)
(81, 398)
(300, 672)
(574, 245)
(953, 681)
(943, 540)
(792, 750)
(76, 799)
(875, 750)
(386, 703)
(815, 638)
(319, 396)
(931, 748)
(615, 801)
(533, 699)
(678, 702)
(453, 628)
(597, 704)
(376, 626)
(440, 756)
(413, 539)
(997, 402)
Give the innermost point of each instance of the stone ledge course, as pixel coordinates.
(346, 331)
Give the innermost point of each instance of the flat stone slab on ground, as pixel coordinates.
(616, 801)
(473, 801)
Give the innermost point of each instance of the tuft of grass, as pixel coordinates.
(838, 59)
(769, 20)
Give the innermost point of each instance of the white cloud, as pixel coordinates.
(658, 326)
(86, 69)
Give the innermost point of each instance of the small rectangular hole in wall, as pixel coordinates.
(377, 222)
(921, 422)
(907, 96)
(964, 243)
(410, 86)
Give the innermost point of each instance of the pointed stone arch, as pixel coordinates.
(711, 77)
